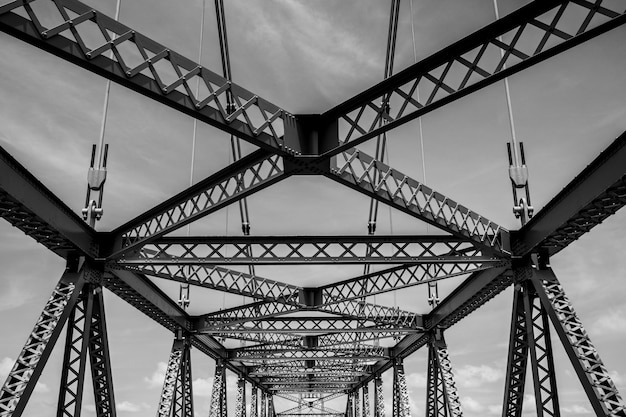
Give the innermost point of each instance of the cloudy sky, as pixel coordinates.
(306, 57)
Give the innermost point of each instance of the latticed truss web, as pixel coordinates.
(287, 336)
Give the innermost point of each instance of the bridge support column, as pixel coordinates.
(263, 404)
(593, 375)
(77, 297)
(240, 406)
(177, 394)
(400, 392)
(442, 398)
(538, 300)
(254, 402)
(379, 398)
(218, 396)
(366, 401)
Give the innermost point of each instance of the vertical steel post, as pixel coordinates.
(100, 359)
(593, 375)
(540, 349)
(32, 359)
(366, 401)
(271, 410)
(349, 405)
(263, 404)
(240, 406)
(168, 393)
(357, 405)
(435, 395)
(218, 396)
(379, 398)
(517, 358)
(401, 395)
(254, 402)
(75, 356)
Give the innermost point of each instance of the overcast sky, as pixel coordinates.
(307, 57)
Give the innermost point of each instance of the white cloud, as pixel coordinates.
(157, 377)
(474, 376)
(611, 322)
(203, 387)
(131, 407)
(416, 380)
(470, 404)
(575, 409)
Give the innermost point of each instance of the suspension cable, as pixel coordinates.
(184, 298)
(518, 172)
(516, 156)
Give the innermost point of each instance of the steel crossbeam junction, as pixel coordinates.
(311, 345)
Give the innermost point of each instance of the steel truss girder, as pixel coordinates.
(253, 118)
(177, 395)
(244, 250)
(75, 356)
(383, 315)
(240, 402)
(398, 278)
(30, 362)
(593, 375)
(31, 207)
(100, 359)
(366, 401)
(240, 179)
(541, 358)
(221, 279)
(86, 335)
(379, 399)
(375, 179)
(299, 355)
(442, 398)
(594, 194)
(302, 325)
(254, 401)
(218, 406)
(254, 350)
(515, 379)
(400, 392)
(358, 309)
(395, 101)
(318, 410)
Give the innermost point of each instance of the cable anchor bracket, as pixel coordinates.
(96, 177)
(518, 173)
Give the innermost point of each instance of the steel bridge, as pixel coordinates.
(311, 345)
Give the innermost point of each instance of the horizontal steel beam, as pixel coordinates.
(245, 250)
(530, 35)
(31, 207)
(242, 178)
(592, 196)
(398, 278)
(147, 70)
(375, 179)
(222, 279)
(301, 325)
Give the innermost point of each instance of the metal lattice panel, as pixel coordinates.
(395, 101)
(31, 360)
(594, 376)
(366, 174)
(326, 353)
(182, 251)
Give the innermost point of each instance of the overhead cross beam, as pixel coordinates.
(244, 250)
(467, 66)
(146, 71)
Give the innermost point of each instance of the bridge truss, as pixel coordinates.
(329, 348)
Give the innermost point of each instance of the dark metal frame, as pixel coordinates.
(491, 257)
